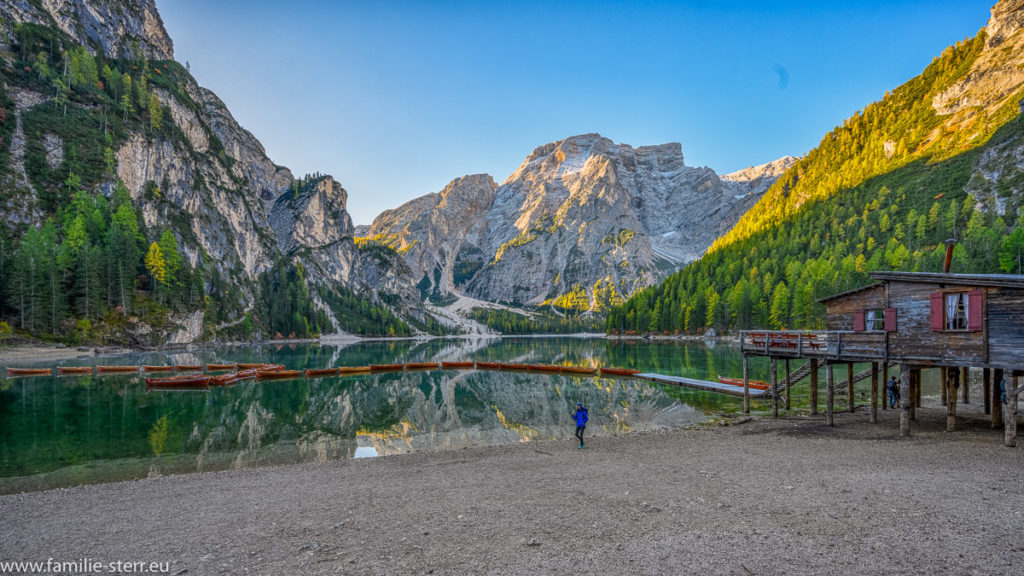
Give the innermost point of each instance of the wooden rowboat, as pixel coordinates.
(117, 368)
(244, 366)
(541, 368)
(386, 367)
(353, 370)
(422, 365)
(29, 371)
(157, 368)
(578, 369)
(188, 367)
(277, 374)
(74, 369)
(219, 367)
(233, 377)
(757, 384)
(487, 365)
(507, 366)
(456, 365)
(618, 372)
(316, 372)
(183, 381)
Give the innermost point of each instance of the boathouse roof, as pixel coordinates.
(1000, 280)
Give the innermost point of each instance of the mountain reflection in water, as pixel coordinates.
(60, 431)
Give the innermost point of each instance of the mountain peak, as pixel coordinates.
(772, 169)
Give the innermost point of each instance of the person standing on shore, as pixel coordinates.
(894, 392)
(580, 415)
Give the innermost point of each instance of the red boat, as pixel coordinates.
(277, 373)
(317, 372)
(758, 384)
(456, 365)
(29, 371)
(353, 370)
(541, 368)
(188, 368)
(386, 367)
(183, 381)
(117, 368)
(74, 369)
(422, 365)
(487, 365)
(507, 366)
(219, 367)
(243, 366)
(618, 372)
(233, 377)
(578, 369)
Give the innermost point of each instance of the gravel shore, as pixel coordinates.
(787, 496)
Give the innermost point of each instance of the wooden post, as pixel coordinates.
(830, 395)
(885, 384)
(913, 392)
(917, 388)
(788, 385)
(1010, 410)
(874, 393)
(942, 388)
(849, 385)
(746, 384)
(814, 386)
(997, 401)
(965, 383)
(986, 388)
(952, 383)
(774, 379)
(904, 400)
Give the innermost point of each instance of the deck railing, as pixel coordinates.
(813, 344)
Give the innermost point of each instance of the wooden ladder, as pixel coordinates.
(794, 377)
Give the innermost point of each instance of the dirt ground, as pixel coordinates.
(787, 496)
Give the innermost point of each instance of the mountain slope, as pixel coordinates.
(579, 223)
(938, 156)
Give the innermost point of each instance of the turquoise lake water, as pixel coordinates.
(69, 430)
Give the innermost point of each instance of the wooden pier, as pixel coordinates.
(698, 384)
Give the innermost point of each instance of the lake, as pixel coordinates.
(69, 430)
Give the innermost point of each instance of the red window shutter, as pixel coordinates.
(890, 319)
(937, 311)
(975, 310)
(858, 321)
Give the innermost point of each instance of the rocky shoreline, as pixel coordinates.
(787, 496)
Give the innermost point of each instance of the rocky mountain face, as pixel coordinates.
(581, 222)
(208, 180)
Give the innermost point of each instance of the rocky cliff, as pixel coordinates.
(581, 222)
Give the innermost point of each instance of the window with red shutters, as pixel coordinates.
(858, 321)
(975, 310)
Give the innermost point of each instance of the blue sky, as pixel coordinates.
(395, 99)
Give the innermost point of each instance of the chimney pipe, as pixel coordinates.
(949, 255)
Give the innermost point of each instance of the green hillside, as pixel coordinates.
(881, 192)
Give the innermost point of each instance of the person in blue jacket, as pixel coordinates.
(581, 421)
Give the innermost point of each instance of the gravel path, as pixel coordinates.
(767, 497)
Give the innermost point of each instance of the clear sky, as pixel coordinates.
(395, 99)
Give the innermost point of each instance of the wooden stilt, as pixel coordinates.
(746, 384)
(914, 372)
(917, 388)
(849, 385)
(830, 395)
(997, 401)
(885, 384)
(874, 393)
(814, 387)
(943, 391)
(986, 388)
(904, 400)
(952, 383)
(965, 383)
(788, 385)
(774, 379)
(1010, 410)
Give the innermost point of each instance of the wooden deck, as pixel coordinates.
(824, 344)
(699, 384)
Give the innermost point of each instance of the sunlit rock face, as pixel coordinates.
(582, 215)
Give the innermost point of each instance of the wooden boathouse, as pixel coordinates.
(910, 321)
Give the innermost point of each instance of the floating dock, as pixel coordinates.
(699, 384)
